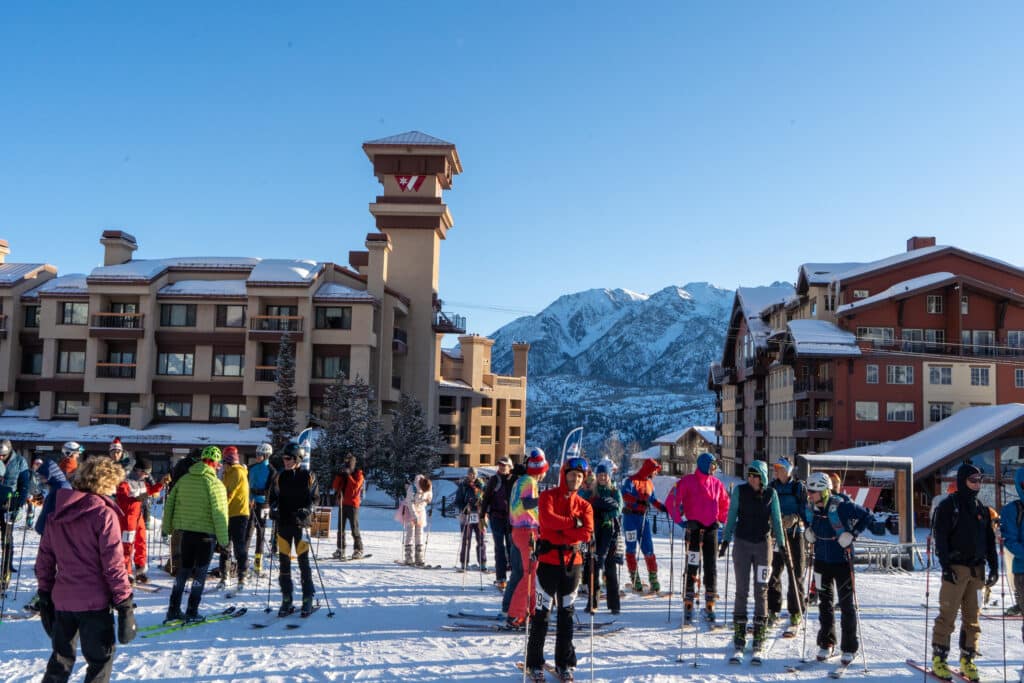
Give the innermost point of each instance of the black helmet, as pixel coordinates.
(292, 448)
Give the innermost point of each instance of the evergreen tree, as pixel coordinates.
(281, 421)
(349, 425)
(412, 447)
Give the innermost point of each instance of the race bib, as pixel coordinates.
(817, 579)
(264, 513)
(474, 518)
(693, 558)
(127, 536)
(764, 573)
(631, 536)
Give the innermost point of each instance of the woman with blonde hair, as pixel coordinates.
(81, 573)
(412, 513)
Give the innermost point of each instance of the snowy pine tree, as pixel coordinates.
(281, 419)
(412, 447)
(349, 425)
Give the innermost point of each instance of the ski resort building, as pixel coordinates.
(166, 352)
(678, 451)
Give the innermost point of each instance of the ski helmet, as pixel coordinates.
(265, 449)
(5, 448)
(115, 447)
(211, 454)
(819, 482)
(71, 449)
(292, 450)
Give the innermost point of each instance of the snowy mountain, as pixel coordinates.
(619, 360)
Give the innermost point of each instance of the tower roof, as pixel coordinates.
(412, 137)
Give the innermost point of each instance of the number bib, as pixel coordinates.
(693, 558)
(474, 518)
(631, 536)
(764, 573)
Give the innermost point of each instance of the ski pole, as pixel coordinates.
(316, 563)
(796, 584)
(927, 594)
(856, 608)
(696, 595)
(21, 553)
(728, 568)
(592, 601)
(1002, 601)
(671, 567)
(682, 614)
(810, 576)
(270, 573)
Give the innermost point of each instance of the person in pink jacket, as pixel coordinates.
(702, 500)
(81, 573)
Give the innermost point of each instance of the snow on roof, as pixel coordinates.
(821, 273)
(234, 288)
(913, 284)
(654, 452)
(756, 299)
(292, 271)
(822, 338)
(332, 290)
(187, 433)
(10, 273)
(72, 283)
(707, 433)
(894, 260)
(453, 384)
(454, 352)
(147, 269)
(412, 137)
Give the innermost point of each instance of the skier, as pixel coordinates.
(792, 503)
(836, 493)
(701, 498)
(412, 512)
(348, 488)
(236, 486)
(566, 527)
(469, 499)
(607, 503)
(833, 524)
(637, 497)
(524, 517)
(197, 506)
(14, 487)
(753, 517)
(81, 573)
(964, 542)
(495, 508)
(130, 496)
(292, 498)
(260, 478)
(1012, 528)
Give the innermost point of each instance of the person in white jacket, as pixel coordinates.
(412, 513)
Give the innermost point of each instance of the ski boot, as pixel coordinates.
(739, 634)
(1012, 611)
(193, 616)
(257, 564)
(655, 584)
(638, 585)
(241, 584)
(565, 674)
(286, 608)
(338, 554)
(823, 653)
(174, 614)
(773, 618)
(142, 578)
(760, 634)
(536, 675)
(967, 666)
(846, 659)
(357, 555)
(795, 619)
(307, 607)
(709, 612)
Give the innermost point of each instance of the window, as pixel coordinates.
(230, 315)
(174, 409)
(31, 316)
(282, 310)
(224, 411)
(934, 340)
(1015, 339)
(934, 303)
(814, 309)
(32, 361)
(121, 307)
(866, 411)
(860, 294)
(118, 406)
(69, 406)
(872, 374)
(964, 306)
(1018, 378)
(174, 364)
(178, 315)
(978, 342)
(899, 374)
(830, 302)
(74, 313)
(875, 335)
(71, 362)
(940, 374)
(334, 317)
(979, 377)
(330, 367)
(913, 340)
(228, 364)
(899, 412)
(939, 411)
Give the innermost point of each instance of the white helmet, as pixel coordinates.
(5, 447)
(71, 449)
(819, 482)
(265, 449)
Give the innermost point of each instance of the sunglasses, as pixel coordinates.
(974, 478)
(288, 457)
(753, 474)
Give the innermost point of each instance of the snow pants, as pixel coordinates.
(196, 554)
(751, 558)
(638, 528)
(1018, 593)
(349, 514)
(608, 565)
(501, 534)
(559, 586)
(96, 630)
(289, 535)
(962, 597)
(795, 583)
(523, 599)
(139, 549)
(828, 575)
(469, 531)
(702, 550)
(413, 536)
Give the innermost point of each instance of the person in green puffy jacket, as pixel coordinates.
(197, 507)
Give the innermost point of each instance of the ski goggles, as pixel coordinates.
(576, 463)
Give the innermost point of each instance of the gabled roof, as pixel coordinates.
(332, 291)
(706, 432)
(72, 284)
(822, 273)
(412, 137)
(900, 289)
(821, 338)
(13, 273)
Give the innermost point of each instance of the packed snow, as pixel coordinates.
(388, 620)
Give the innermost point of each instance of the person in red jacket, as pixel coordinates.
(348, 488)
(566, 528)
(130, 497)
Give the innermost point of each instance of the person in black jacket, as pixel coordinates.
(495, 507)
(292, 498)
(964, 543)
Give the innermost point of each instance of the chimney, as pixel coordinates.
(378, 246)
(359, 260)
(117, 247)
(920, 243)
(520, 358)
(4, 250)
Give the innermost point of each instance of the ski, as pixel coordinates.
(549, 669)
(302, 616)
(839, 671)
(276, 619)
(353, 558)
(173, 628)
(501, 628)
(14, 616)
(467, 614)
(178, 622)
(914, 664)
(1001, 617)
(413, 566)
(148, 587)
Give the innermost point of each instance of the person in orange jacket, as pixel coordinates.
(348, 490)
(566, 529)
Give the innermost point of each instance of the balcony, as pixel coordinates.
(449, 323)
(515, 412)
(266, 373)
(116, 325)
(399, 342)
(759, 397)
(273, 327)
(116, 370)
(805, 426)
(112, 419)
(812, 388)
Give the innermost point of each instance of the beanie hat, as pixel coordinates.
(115, 446)
(785, 464)
(230, 455)
(603, 467)
(704, 462)
(143, 463)
(537, 464)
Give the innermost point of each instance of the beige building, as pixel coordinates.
(140, 343)
(678, 451)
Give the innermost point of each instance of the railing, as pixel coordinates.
(515, 412)
(112, 419)
(445, 410)
(509, 381)
(812, 385)
(823, 423)
(116, 370)
(266, 373)
(119, 321)
(275, 323)
(487, 412)
(485, 440)
(449, 323)
(805, 422)
(514, 440)
(259, 420)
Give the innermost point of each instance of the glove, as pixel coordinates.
(577, 522)
(949, 575)
(610, 501)
(302, 517)
(845, 539)
(809, 535)
(723, 547)
(993, 577)
(126, 628)
(46, 612)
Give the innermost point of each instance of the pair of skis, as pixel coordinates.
(551, 672)
(837, 672)
(957, 675)
(181, 625)
(414, 566)
(279, 617)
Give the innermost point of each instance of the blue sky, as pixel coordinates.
(633, 145)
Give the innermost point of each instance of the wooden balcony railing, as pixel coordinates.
(275, 323)
(118, 321)
(112, 419)
(266, 373)
(116, 370)
(515, 412)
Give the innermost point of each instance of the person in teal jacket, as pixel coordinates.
(754, 516)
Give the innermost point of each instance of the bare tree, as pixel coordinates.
(613, 449)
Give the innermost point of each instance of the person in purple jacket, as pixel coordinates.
(81, 573)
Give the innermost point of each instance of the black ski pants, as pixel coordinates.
(238, 527)
(96, 629)
(795, 543)
(609, 566)
(289, 535)
(558, 588)
(7, 551)
(258, 525)
(349, 514)
(702, 549)
(196, 554)
(830, 579)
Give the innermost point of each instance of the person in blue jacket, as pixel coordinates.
(833, 524)
(1011, 526)
(261, 477)
(14, 488)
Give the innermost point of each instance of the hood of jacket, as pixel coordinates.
(73, 504)
(648, 469)
(762, 470)
(962, 489)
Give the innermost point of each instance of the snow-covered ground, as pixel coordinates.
(388, 619)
